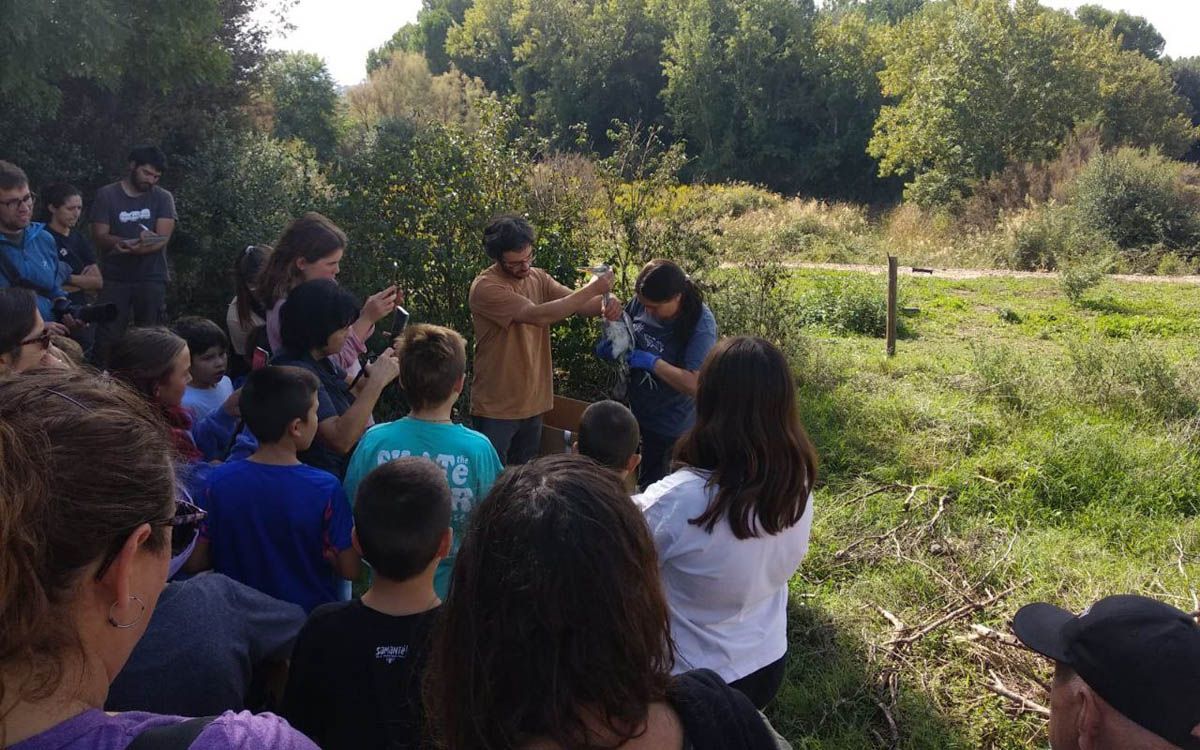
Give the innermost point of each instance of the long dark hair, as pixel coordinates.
(660, 280)
(312, 237)
(555, 610)
(748, 434)
(18, 308)
(246, 268)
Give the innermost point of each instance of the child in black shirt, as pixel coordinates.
(356, 669)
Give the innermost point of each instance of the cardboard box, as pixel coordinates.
(560, 424)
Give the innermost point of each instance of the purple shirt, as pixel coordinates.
(96, 730)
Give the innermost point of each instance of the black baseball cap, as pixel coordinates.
(1140, 655)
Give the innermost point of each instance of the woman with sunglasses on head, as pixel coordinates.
(731, 524)
(88, 523)
(25, 338)
(556, 634)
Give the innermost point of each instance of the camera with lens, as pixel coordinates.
(85, 313)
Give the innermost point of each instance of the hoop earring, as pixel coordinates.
(113, 620)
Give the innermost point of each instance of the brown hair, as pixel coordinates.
(143, 357)
(432, 359)
(18, 310)
(86, 462)
(747, 433)
(246, 269)
(556, 591)
(311, 237)
(12, 176)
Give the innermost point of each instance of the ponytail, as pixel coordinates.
(660, 280)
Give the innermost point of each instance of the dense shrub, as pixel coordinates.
(727, 201)
(1131, 377)
(1139, 199)
(242, 188)
(417, 198)
(846, 305)
(1080, 276)
(1051, 236)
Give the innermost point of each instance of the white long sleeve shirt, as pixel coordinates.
(727, 596)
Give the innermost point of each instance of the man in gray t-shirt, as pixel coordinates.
(132, 221)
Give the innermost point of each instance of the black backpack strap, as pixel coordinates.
(172, 736)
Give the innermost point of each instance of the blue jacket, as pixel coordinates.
(36, 260)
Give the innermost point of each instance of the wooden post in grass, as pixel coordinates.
(891, 307)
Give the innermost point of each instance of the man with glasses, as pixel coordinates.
(28, 253)
(513, 305)
(132, 221)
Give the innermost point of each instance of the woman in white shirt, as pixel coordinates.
(731, 524)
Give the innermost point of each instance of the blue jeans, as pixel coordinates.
(515, 440)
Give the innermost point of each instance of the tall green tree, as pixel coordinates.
(979, 84)
(882, 11)
(482, 45)
(134, 70)
(1135, 32)
(740, 86)
(427, 35)
(303, 100)
(1186, 73)
(589, 62)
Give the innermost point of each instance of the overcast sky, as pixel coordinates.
(343, 31)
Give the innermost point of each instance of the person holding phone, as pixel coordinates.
(132, 222)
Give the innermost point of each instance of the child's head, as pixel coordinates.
(609, 434)
(402, 517)
(209, 347)
(281, 402)
(433, 360)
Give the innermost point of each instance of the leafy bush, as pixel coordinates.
(1139, 199)
(242, 188)
(1006, 377)
(725, 201)
(1080, 276)
(1130, 377)
(1051, 236)
(846, 305)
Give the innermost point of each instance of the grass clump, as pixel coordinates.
(853, 305)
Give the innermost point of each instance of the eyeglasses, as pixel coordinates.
(43, 339)
(13, 203)
(185, 526)
(519, 264)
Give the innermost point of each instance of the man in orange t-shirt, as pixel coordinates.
(513, 306)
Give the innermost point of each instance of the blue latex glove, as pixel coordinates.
(604, 349)
(640, 359)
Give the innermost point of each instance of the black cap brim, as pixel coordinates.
(1040, 627)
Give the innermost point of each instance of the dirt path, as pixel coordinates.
(983, 273)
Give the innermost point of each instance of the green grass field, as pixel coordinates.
(1015, 449)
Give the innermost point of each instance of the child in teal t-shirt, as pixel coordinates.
(432, 371)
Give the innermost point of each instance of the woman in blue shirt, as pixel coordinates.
(673, 332)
